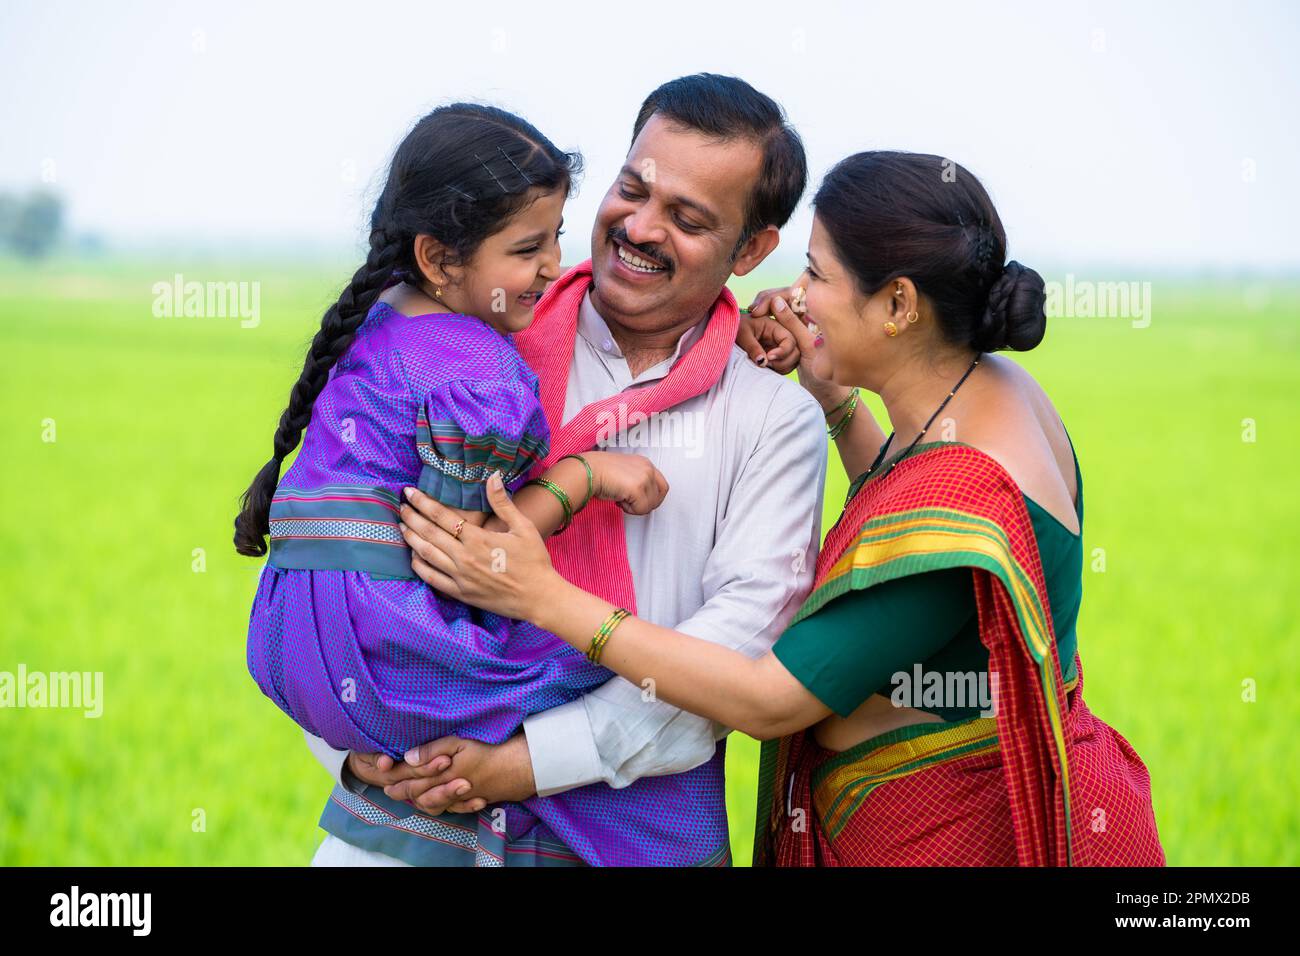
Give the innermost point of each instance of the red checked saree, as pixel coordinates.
(1042, 783)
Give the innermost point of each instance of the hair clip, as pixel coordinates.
(482, 163)
(522, 174)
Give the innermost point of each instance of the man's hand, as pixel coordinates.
(479, 774)
(380, 770)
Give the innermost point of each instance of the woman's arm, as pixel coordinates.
(759, 697)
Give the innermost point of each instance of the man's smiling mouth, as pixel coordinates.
(635, 261)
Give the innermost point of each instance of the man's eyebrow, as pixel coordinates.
(699, 207)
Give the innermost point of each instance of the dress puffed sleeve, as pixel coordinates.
(468, 429)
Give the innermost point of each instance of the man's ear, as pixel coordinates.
(430, 256)
(758, 248)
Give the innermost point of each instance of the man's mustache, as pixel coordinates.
(648, 252)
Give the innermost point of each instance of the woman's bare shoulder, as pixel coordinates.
(1012, 420)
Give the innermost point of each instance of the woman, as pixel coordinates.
(925, 707)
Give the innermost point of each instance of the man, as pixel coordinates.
(712, 173)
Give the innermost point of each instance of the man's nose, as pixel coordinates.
(644, 227)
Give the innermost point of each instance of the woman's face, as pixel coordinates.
(842, 315)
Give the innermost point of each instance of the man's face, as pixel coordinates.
(677, 206)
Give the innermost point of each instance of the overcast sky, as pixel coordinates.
(1151, 134)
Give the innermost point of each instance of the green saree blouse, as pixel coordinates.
(853, 647)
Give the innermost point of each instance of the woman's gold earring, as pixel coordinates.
(912, 317)
(891, 329)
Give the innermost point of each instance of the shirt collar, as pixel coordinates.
(593, 328)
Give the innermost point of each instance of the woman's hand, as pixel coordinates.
(767, 342)
(508, 572)
(636, 485)
(775, 306)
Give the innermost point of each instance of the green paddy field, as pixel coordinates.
(115, 557)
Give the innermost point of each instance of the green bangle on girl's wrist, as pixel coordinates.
(591, 479)
(561, 496)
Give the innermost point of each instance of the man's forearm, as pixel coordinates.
(332, 760)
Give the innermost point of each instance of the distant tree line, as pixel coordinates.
(30, 225)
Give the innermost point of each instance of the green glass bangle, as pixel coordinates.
(591, 479)
(835, 430)
(851, 398)
(560, 496)
(602, 634)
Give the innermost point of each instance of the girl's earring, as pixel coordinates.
(912, 317)
(891, 329)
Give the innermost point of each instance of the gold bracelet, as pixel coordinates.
(603, 633)
(560, 496)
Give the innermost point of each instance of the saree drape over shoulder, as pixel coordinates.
(1043, 782)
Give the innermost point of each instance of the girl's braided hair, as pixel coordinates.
(459, 176)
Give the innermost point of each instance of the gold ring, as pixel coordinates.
(459, 525)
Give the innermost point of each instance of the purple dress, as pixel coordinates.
(343, 637)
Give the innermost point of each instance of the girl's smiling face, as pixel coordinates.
(504, 279)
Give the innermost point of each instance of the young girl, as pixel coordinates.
(413, 380)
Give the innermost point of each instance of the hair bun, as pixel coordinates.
(1015, 317)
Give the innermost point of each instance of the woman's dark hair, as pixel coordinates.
(893, 214)
(459, 176)
(727, 107)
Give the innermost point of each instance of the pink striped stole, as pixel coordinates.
(592, 552)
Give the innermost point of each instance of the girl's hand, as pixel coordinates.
(636, 485)
(508, 572)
